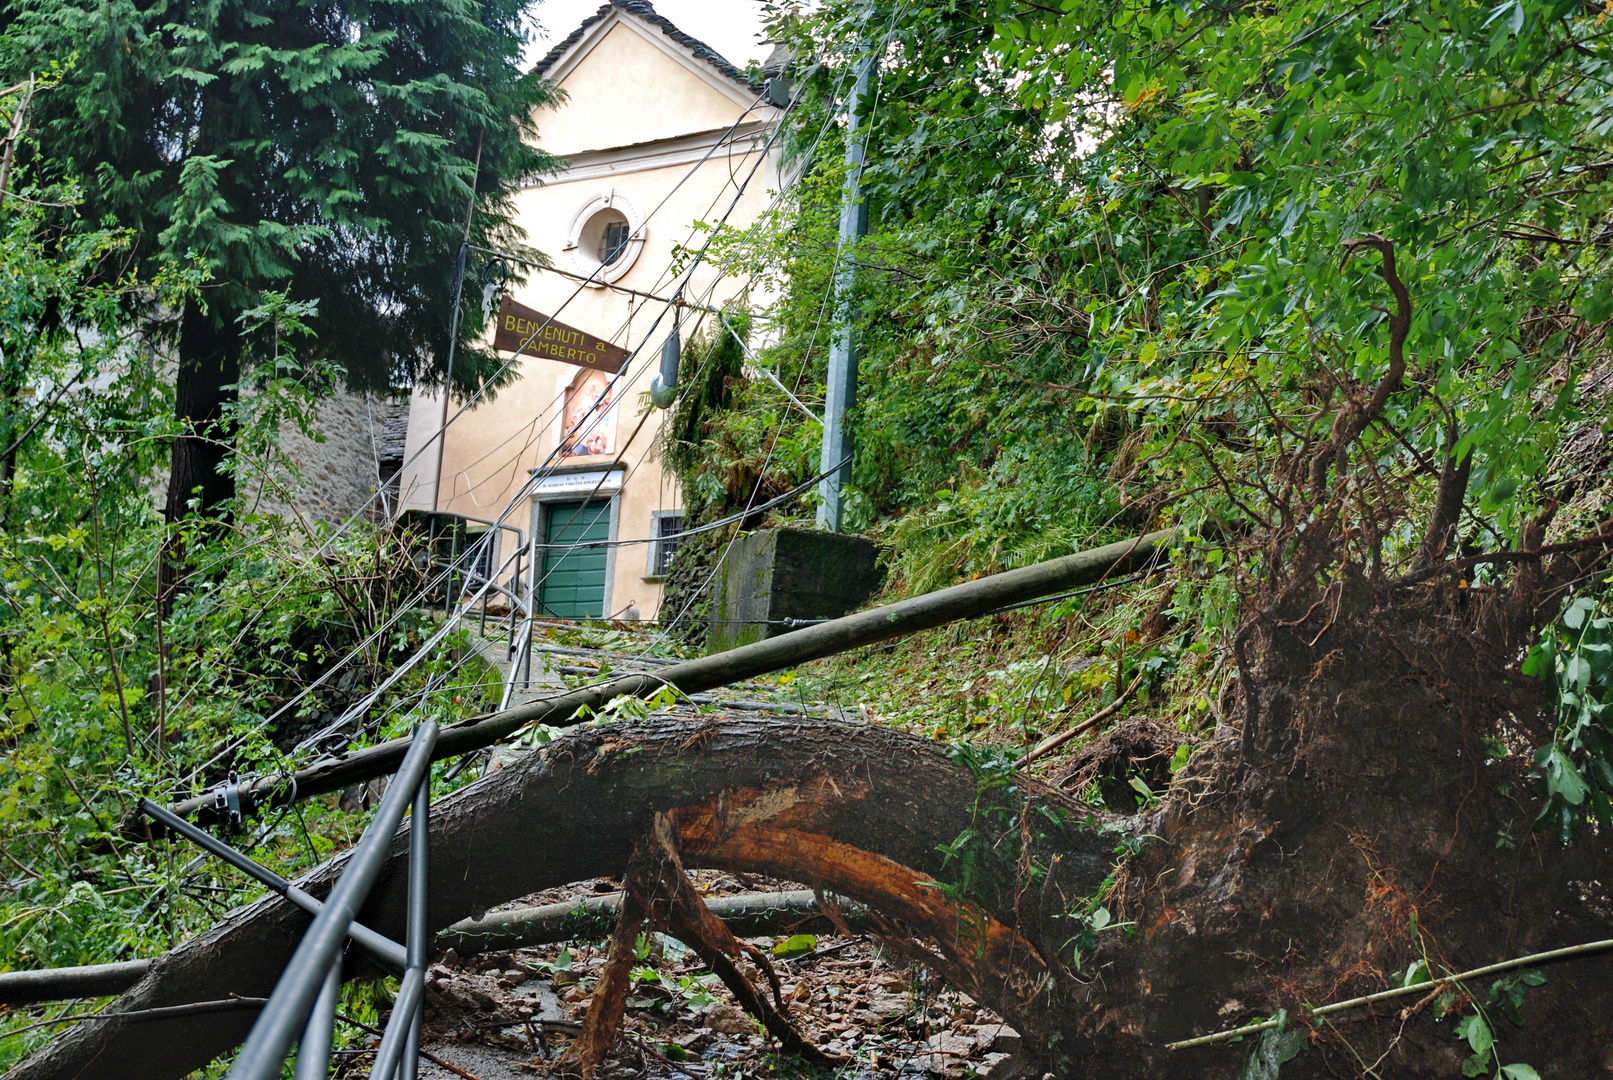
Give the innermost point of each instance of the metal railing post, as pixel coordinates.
(418, 931)
(515, 602)
(532, 564)
(399, 1052)
(313, 1049)
(286, 1012)
(453, 566)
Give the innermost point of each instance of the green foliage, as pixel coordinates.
(1275, 1048)
(712, 474)
(795, 945)
(1477, 1030)
(1574, 657)
(105, 695)
(324, 151)
(1106, 283)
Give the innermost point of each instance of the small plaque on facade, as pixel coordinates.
(551, 339)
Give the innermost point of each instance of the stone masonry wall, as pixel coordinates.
(339, 475)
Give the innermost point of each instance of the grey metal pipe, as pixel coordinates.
(409, 1064)
(419, 935)
(382, 948)
(870, 627)
(410, 994)
(265, 1049)
(313, 1049)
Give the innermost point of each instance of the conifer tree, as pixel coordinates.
(324, 148)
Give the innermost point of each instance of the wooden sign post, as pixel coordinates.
(550, 339)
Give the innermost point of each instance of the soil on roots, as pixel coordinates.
(1359, 822)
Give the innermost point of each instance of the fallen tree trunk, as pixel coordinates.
(1378, 815)
(587, 919)
(709, 672)
(864, 811)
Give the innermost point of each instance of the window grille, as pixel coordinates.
(613, 242)
(667, 526)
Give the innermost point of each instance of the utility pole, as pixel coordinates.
(453, 326)
(842, 391)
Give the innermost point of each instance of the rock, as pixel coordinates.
(468, 997)
(945, 1050)
(887, 1004)
(729, 1019)
(694, 1041)
(1001, 1067)
(512, 977)
(950, 1043)
(998, 1037)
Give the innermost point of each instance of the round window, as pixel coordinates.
(606, 237)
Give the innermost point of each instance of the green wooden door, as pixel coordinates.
(574, 580)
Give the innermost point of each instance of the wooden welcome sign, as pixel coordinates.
(550, 339)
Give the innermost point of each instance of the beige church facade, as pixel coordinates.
(657, 133)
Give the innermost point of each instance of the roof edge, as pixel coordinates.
(644, 10)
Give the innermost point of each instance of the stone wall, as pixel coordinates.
(339, 475)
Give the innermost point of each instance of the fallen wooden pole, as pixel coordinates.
(590, 918)
(593, 918)
(59, 984)
(972, 598)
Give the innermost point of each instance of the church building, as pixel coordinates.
(657, 133)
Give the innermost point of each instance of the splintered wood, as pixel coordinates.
(658, 896)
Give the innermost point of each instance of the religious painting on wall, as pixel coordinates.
(590, 417)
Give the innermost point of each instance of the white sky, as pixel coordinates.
(732, 27)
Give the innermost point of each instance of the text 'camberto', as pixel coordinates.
(532, 333)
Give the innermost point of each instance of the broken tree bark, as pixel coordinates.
(592, 918)
(709, 672)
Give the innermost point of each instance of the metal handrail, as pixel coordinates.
(290, 1010)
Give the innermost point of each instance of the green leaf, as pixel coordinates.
(1519, 1072)
(1477, 1033)
(1416, 973)
(1578, 613)
(1275, 1048)
(795, 945)
(1563, 780)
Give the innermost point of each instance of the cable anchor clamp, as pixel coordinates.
(227, 803)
